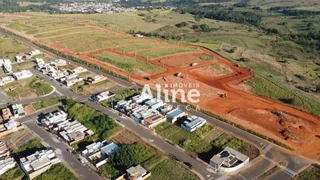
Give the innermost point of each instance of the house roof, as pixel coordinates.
(136, 171)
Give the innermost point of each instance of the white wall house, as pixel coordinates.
(22, 74)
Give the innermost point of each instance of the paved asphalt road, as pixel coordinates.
(272, 153)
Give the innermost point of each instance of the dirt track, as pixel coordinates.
(284, 123)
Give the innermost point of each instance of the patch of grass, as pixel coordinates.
(75, 35)
(91, 47)
(41, 88)
(46, 103)
(207, 57)
(10, 47)
(266, 87)
(13, 174)
(170, 169)
(165, 52)
(64, 31)
(138, 47)
(78, 42)
(28, 149)
(57, 172)
(128, 64)
(311, 173)
(20, 27)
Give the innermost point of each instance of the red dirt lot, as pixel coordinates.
(182, 60)
(279, 121)
(212, 71)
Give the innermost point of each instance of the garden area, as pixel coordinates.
(128, 64)
(205, 141)
(27, 88)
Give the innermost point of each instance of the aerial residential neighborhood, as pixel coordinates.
(159, 90)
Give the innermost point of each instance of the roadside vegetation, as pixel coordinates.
(46, 103)
(28, 149)
(271, 171)
(58, 172)
(311, 173)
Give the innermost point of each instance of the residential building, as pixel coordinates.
(6, 65)
(154, 103)
(96, 79)
(4, 151)
(175, 114)
(71, 80)
(6, 114)
(6, 165)
(72, 131)
(35, 52)
(22, 74)
(38, 162)
(137, 173)
(147, 117)
(165, 109)
(6, 80)
(18, 110)
(97, 153)
(54, 118)
(193, 123)
(60, 62)
(12, 125)
(103, 96)
(141, 98)
(78, 70)
(19, 59)
(229, 160)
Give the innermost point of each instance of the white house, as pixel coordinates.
(7, 65)
(18, 110)
(12, 125)
(104, 96)
(175, 114)
(6, 80)
(38, 162)
(54, 118)
(6, 165)
(19, 59)
(229, 160)
(193, 123)
(154, 103)
(35, 52)
(79, 69)
(22, 74)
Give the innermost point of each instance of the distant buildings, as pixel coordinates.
(92, 7)
(38, 162)
(97, 153)
(22, 74)
(193, 123)
(229, 160)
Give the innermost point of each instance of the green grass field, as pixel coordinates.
(311, 173)
(166, 52)
(76, 35)
(64, 31)
(9, 47)
(57, 171)
(78, 42)
(139, 47)
(13, 174)
(128, 64)
(20, 27)
(28, 149)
